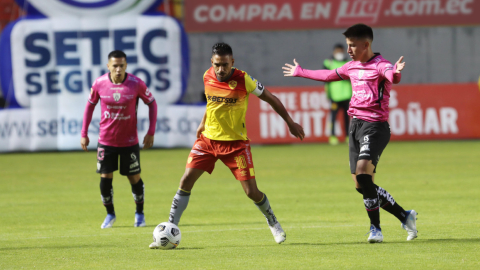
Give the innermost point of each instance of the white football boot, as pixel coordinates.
(154, 245)
(410, 225)
(278, 233)
(376, 235)
(108, 222)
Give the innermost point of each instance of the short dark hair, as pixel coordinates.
(117, 54)
(338, 46)
(359, 31)
(222, 49)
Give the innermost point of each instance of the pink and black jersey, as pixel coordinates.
(118, 125)
(370, 88)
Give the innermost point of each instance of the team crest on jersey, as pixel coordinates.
(232, 84)
(360, 73)
(116, 96)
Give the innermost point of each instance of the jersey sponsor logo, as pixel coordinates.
(147, 92)
(136, 170)
(106, 114)
(116, 96)
(133, 165)
(100, 154)
(104, 96)
(116, 88)
(365, 148)
(366, 139)
(241, 163)
(133, 156)
(211, 81)
(115, 116)
(221, 99)
(364, 154)
(359, 83)
(116, 107)
(232, 84)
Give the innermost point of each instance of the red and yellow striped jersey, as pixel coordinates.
(227, 104)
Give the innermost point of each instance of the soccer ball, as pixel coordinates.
(166, 236)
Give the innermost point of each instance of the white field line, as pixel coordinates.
(115, 232)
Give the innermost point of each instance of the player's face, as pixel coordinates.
(117, 68)
(357, 48)
(222, 66)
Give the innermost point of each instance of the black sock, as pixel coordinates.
(370, 198)
(138, 195)
(388, 204)
(106, 190)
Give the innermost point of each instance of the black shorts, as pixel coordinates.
(107, 159)
(367, 141)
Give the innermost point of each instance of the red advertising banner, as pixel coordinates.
(252, 15)
(417, 112)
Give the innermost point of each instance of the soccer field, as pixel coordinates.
(51, 211)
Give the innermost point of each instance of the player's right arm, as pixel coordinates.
(323, 75)
(87, 117)
(201, 126)
(277, 105)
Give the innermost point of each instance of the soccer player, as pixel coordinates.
(372, 77)
(118, 93)
(222, 135)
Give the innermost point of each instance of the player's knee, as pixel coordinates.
(364, 167)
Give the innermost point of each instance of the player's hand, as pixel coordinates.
(200, 129)
(400, 65)
(288, 70)
(296, 130)
(84, 142)
(147, 141)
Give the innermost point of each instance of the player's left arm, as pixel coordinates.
(148, 99)
(277, 105)
(394, 74)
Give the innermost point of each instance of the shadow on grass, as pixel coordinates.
(56, 247)
(419, 241)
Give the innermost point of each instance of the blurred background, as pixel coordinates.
(52, 50)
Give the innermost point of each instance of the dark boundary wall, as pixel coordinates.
(433, 55)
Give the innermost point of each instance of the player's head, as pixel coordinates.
(359, 39)
(117, 64)
(338, 52)
(222, 60)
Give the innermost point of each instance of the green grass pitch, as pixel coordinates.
(50, 211)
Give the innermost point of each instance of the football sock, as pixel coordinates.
(389, 204)
(370, 198)
(106, 190)
(264, 206)
(179, 204)
(138, 192)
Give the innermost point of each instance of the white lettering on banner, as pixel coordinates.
(312, 10)
(415, 121)
(351, 11)
(65, 63)
(248, 12)
(429, 7)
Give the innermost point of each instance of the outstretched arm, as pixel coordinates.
(277, 105)
(323, 75)
(87, 118)
(152, 116)
(395, 75)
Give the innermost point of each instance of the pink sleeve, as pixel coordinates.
(388, 71)
(323, 75)
(145, 94)
(152, 116)
(87, 118)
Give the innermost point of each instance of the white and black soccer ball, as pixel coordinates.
(166, 236)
